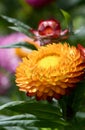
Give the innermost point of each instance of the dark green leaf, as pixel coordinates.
(2, 128)
(19, 45)
(79, 98)
(77, 37)
(21, 29)
(43, 111)
(14, 128)
(30, 123)
(19, 106)
(18, 25)
(68, 20)
(17, 117)
(16, 22)
(10, 104)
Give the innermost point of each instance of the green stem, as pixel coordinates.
(68, 112)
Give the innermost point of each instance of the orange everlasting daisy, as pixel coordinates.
(50, 71)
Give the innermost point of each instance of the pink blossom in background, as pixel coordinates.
(38, 3)
(8, 58)
(4, 83)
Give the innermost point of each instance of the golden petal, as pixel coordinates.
(50, 71)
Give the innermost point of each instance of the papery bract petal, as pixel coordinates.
(51, 71)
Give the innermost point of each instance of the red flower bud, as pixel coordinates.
(49, 28)
(49, 31)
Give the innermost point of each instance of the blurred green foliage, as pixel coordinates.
(44, 115)
(31, 16)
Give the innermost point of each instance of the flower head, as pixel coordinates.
(51, 71)
(49, 31)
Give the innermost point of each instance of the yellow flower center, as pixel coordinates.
(49, 61)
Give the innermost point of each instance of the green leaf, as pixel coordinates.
(18, 25)
(80, 115)
(68, 20)
(18, 117)
(14, 128)
(30, 123)
(27, 120)
(33, 106)
(80, 35)
(19, 45)
(79, 98)
(2, 128)
(79, 121)
(20, 29)
(44, 112)
(19, 128)
(10, 104)
(77, 37)
(15, 22)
